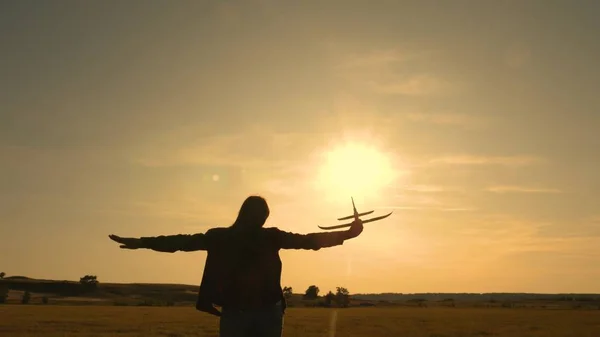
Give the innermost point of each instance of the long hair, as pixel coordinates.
(253, 214)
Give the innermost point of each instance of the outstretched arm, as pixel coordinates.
(165, 243)
(316, 241)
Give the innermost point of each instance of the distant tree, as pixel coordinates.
(2, 274)
(3, 293)
(312, 293)
(329, 298)
(342, 297)
(89, 282)
(287, 292)
(26, 297)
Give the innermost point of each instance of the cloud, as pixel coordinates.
(481, 243)
(435, 209)
(387, 72)
(186, 208)
(426, 201)
(254, 148)
(412, 85)
(513, 161)
(350, 113)
(418, 199)
(585, 227)
(521, 189)
(377, 58)
(426, 188)
(505, 235)
(456, 119)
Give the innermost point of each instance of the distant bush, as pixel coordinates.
(89, 282)
(311, 293)
(329, 298)
(311, 304)
(322, 304)
(3, 293)
(342, 297)
(26, 297)
(44, 300)
(287, 292)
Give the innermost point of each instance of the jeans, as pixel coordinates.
(266, 322)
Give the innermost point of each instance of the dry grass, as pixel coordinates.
(50, 321)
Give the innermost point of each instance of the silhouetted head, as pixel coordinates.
(253, 213)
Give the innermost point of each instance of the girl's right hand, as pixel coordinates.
(127, 243)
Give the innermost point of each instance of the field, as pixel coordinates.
(66, 321)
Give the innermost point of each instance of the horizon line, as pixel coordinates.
(8, 278)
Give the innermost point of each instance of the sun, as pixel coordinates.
(355, 169)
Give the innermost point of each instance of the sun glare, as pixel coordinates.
(355, 169)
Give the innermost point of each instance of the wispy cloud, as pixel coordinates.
(430, 200)
(448, 118)
(481, 242)
(187, 209)
(507, 235)
(255, 148)
(586, 227)
(414, 85)
(487, 160)
(459, 209)
(385, 72)
(377, 58)
(424, 208)
(429, 188)
(521, 189)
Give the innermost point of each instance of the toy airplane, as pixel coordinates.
(356, 216)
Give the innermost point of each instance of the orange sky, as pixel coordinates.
(476, 123)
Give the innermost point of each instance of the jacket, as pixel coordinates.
(243, 267)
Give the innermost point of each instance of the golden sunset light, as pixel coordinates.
(354, 169)
(148, 147)
(475, 122)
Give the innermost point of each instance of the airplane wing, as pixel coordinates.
(352, 216)
(364, 221)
